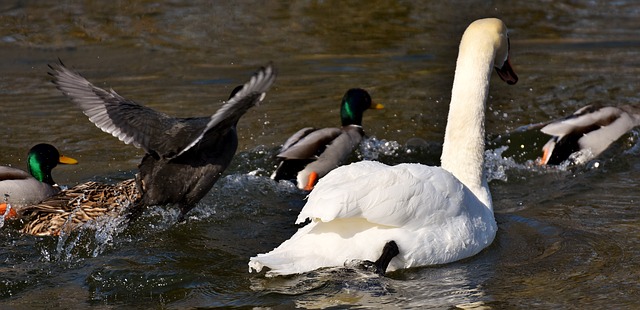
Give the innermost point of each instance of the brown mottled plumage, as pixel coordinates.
(71, 208)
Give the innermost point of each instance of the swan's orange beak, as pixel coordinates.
(313, 178)
(12, 212)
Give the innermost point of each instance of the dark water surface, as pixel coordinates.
(568, 238)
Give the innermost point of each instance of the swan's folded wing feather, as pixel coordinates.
(391, 196)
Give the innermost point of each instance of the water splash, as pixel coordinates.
(90, 239)
(348, 285)
(160, 218)
(372, 148)
(496, 166)
(634, 139)
(106, 229)
(6, 212)
(499, 167)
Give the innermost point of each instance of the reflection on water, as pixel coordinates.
(567, 236)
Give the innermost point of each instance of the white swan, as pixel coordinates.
(435, 215)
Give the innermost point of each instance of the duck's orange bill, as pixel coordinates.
(67, 160)
(376, 106)
(12, 212)
(313, 178)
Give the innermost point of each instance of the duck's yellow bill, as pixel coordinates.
(67, 160)
(376, 106)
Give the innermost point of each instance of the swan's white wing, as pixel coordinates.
(386, 195)
(357, 208)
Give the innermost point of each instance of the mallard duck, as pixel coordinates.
(428, 215)
(73, 207)
(311, 153)
(184, 156)
(19, 188)
(586, 133)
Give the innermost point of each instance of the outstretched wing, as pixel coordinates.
(126, 120)
(251, 94)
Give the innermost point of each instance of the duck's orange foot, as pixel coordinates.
(7, 215)
(313, 178)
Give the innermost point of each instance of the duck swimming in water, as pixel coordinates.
(184, 156)
(586, 133)
(20, 188)
(409, 215)
(311, 153)
(71, 208)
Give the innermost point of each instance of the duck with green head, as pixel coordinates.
(311, 153)
(84, 204)
(20, 188)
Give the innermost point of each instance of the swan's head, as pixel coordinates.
(495, 31)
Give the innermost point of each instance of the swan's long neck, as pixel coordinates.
(463, 149)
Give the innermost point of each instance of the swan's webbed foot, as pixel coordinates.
(389, 251)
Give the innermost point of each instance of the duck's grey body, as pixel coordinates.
(19, 188)
(320, 150)
(311, 153)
